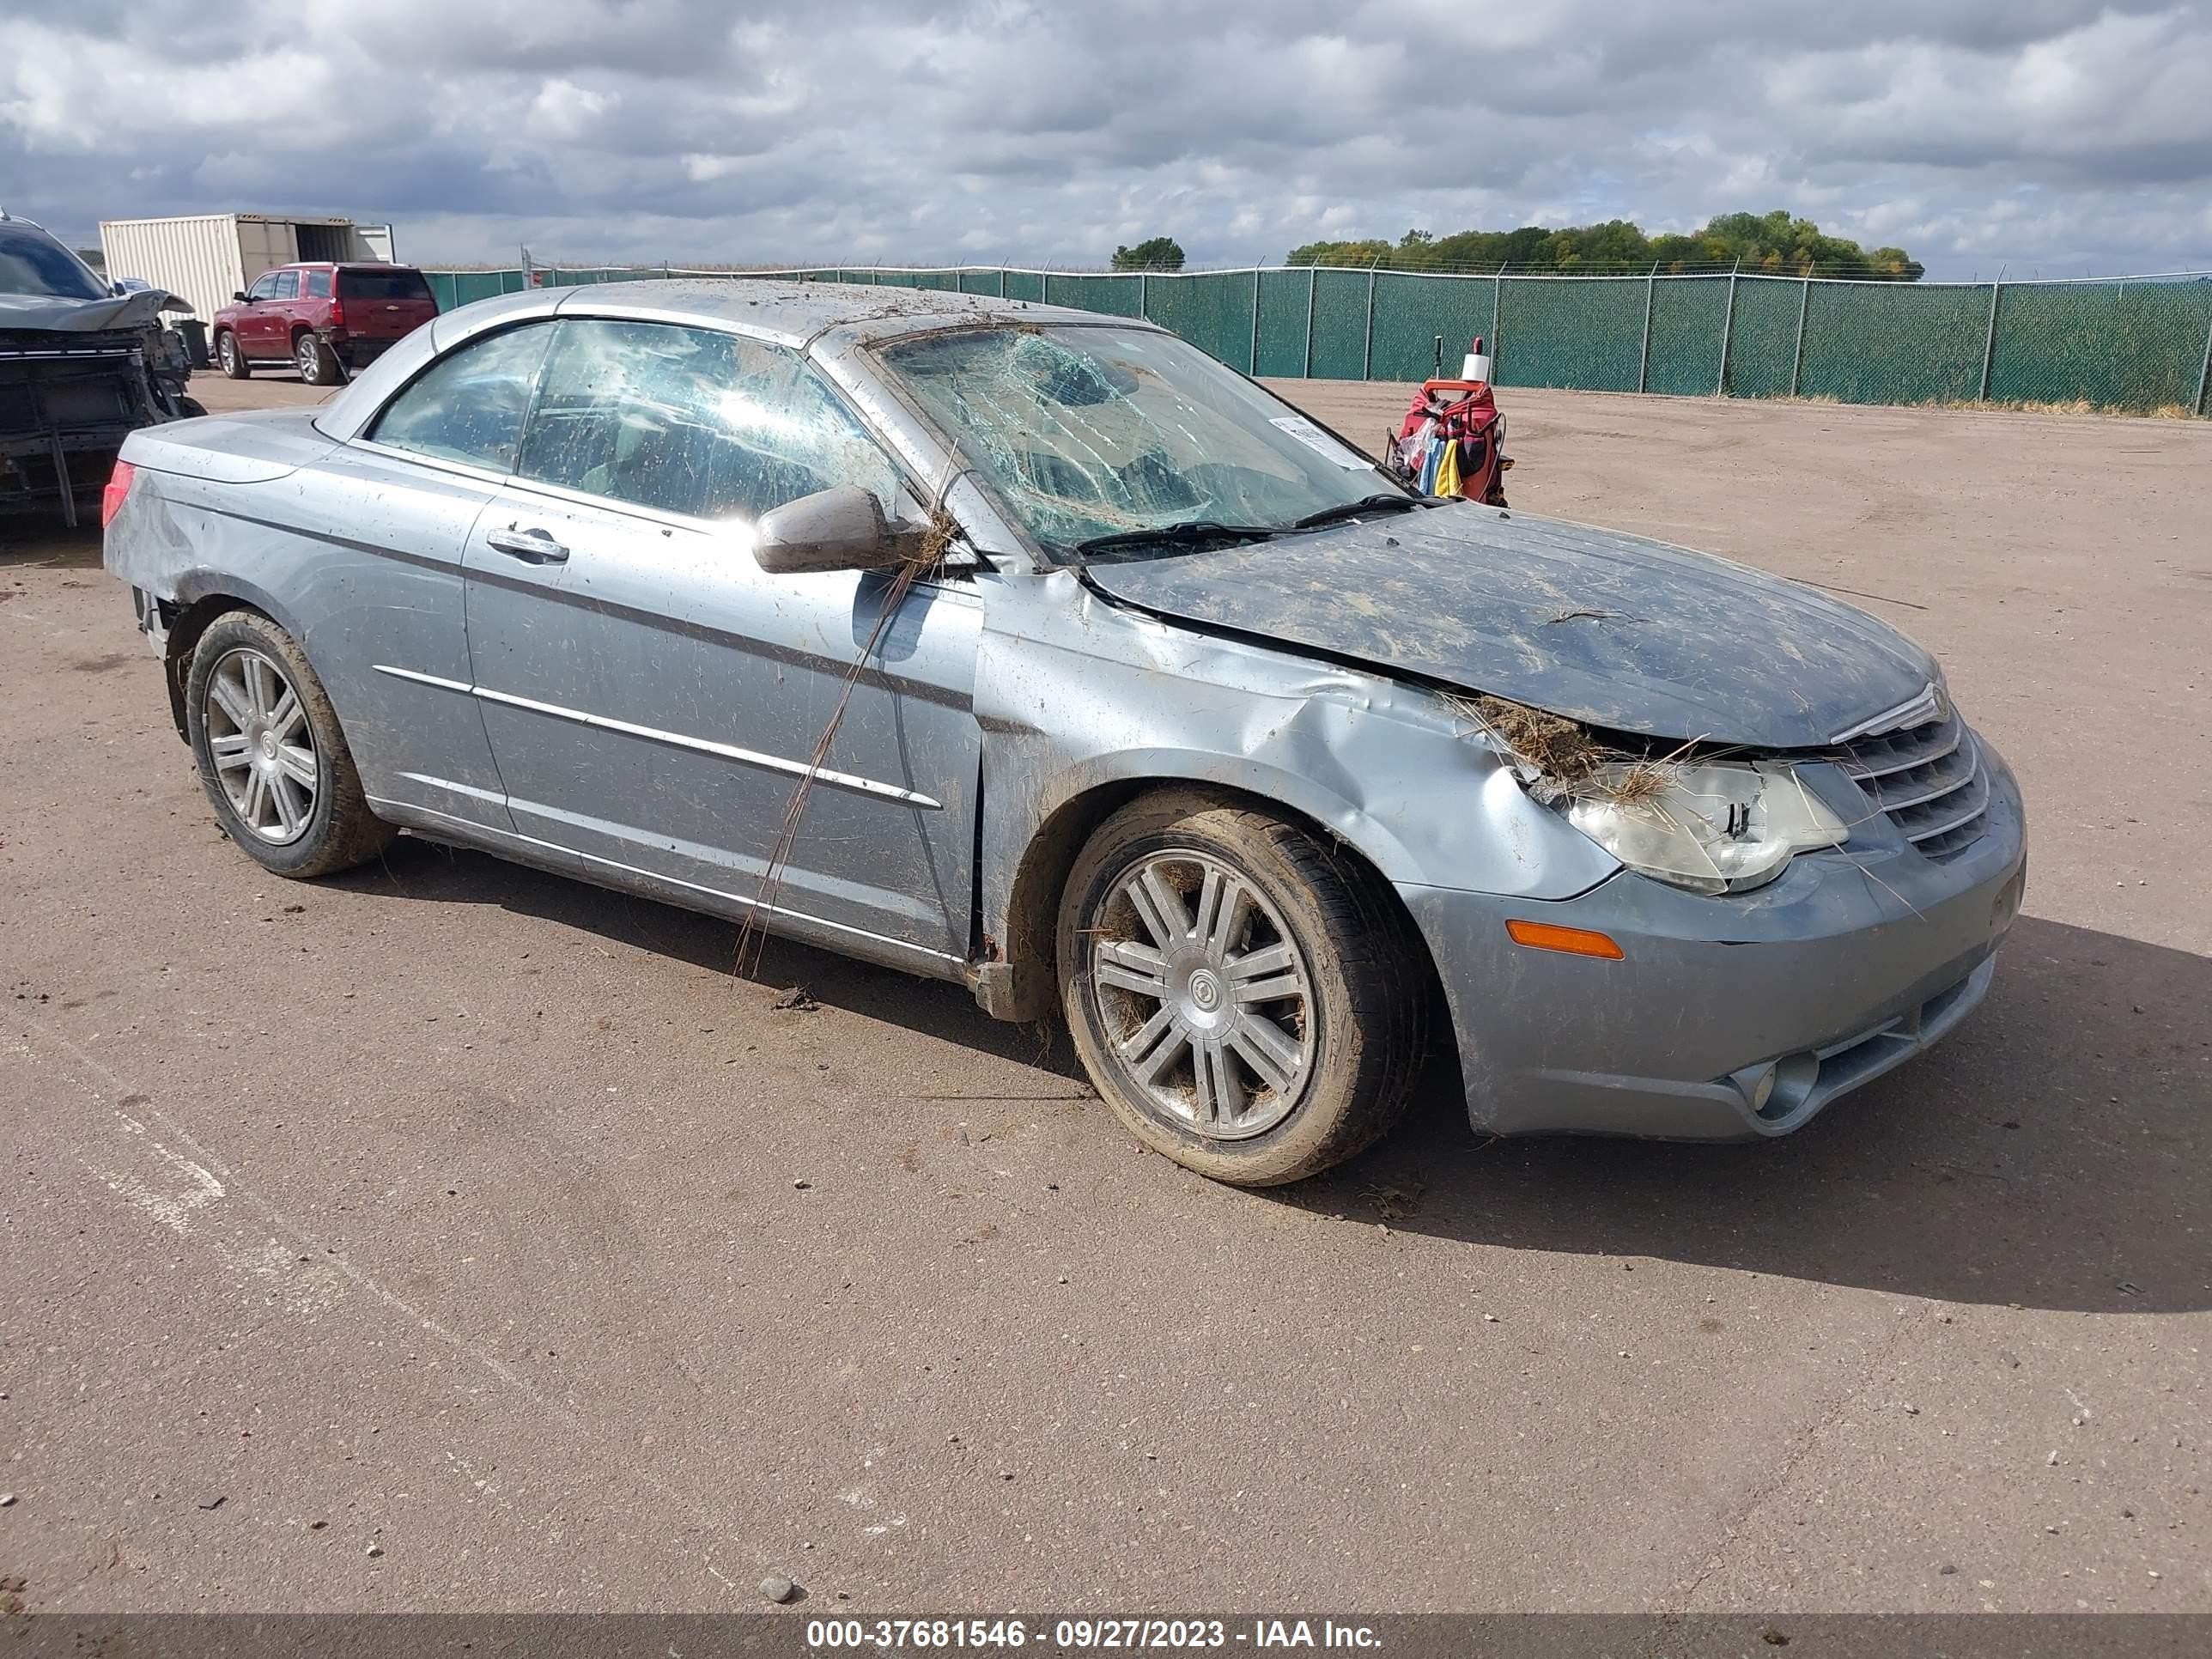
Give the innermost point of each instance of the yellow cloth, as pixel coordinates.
(1448, 471)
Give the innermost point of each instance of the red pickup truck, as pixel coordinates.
(323, 320)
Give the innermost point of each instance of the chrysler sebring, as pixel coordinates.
(1037, 651)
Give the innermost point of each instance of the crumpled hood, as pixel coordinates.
(50, 313)
(1610, 629)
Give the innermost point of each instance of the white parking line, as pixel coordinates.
(186, 1187)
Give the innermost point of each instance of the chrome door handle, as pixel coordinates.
(536, 546)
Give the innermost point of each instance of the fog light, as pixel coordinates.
(2008, 902)
(1763, 1091)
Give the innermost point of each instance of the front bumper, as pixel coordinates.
(1729, 1018)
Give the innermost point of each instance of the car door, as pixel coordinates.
(253, 318)
(284, 302)
(391, 640)
(655, 699)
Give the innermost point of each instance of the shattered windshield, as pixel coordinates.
(31, 262)
(1090, 432)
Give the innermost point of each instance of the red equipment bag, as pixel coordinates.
(1462, 415)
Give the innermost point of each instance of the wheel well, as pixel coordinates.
(1033, 906)
(1029, 949)
(185, 627)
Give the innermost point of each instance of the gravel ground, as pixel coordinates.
(449, 1235)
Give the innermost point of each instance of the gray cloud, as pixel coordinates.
(2044, 134)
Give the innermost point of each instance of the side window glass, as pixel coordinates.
(288, 284)
(265, 287)
(318, 284)
(469, 405)
(693, 421)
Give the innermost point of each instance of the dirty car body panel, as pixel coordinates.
(639, 707)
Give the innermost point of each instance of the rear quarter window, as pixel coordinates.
(383, 285)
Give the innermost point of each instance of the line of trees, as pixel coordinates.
(1772, 244)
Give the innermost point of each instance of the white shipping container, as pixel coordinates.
(206, 258)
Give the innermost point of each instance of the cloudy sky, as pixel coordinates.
(2041, 135)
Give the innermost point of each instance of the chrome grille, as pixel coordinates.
(1927, 776)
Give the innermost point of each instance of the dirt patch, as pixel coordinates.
(103, 664)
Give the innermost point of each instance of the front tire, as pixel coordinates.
(1249, 999)
(229, 358)
(270, 755)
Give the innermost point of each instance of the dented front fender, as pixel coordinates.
(1075, 693)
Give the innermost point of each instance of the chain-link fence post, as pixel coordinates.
(1253, 367)
(2203, 373)
(1367, 352)
(1990, 342)
(1728, 328)
(1798, 359)
(1497, 311)
(1644, 356)
(1313, 293)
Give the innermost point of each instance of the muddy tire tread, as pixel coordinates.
(1377, 1041)
(346, 832)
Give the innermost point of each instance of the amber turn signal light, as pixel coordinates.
(1575, 941)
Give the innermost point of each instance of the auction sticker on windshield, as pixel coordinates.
(1319, 441)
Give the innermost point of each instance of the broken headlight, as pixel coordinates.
(1715, 827)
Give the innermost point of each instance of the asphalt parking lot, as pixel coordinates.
(452, 1235)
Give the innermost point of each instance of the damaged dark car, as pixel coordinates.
(82, 365)
(1039, 652)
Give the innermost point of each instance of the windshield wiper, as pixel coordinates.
(1188, 533)
(1355, 509)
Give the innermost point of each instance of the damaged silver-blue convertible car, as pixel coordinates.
(1037, 651)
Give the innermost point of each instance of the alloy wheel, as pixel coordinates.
(1205, 995)
(263, 747)
(306, 355)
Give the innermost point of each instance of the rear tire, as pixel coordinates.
(229, 358)
(1249, 999)
(270, 753)
(318, 364)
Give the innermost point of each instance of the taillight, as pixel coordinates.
(119, 486)
(338, 313)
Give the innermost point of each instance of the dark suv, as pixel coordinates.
(323, 320)
(82, 365)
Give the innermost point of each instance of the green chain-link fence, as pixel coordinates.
(2138, 344)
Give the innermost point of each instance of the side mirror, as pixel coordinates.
(839, 529)
(239, 294)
